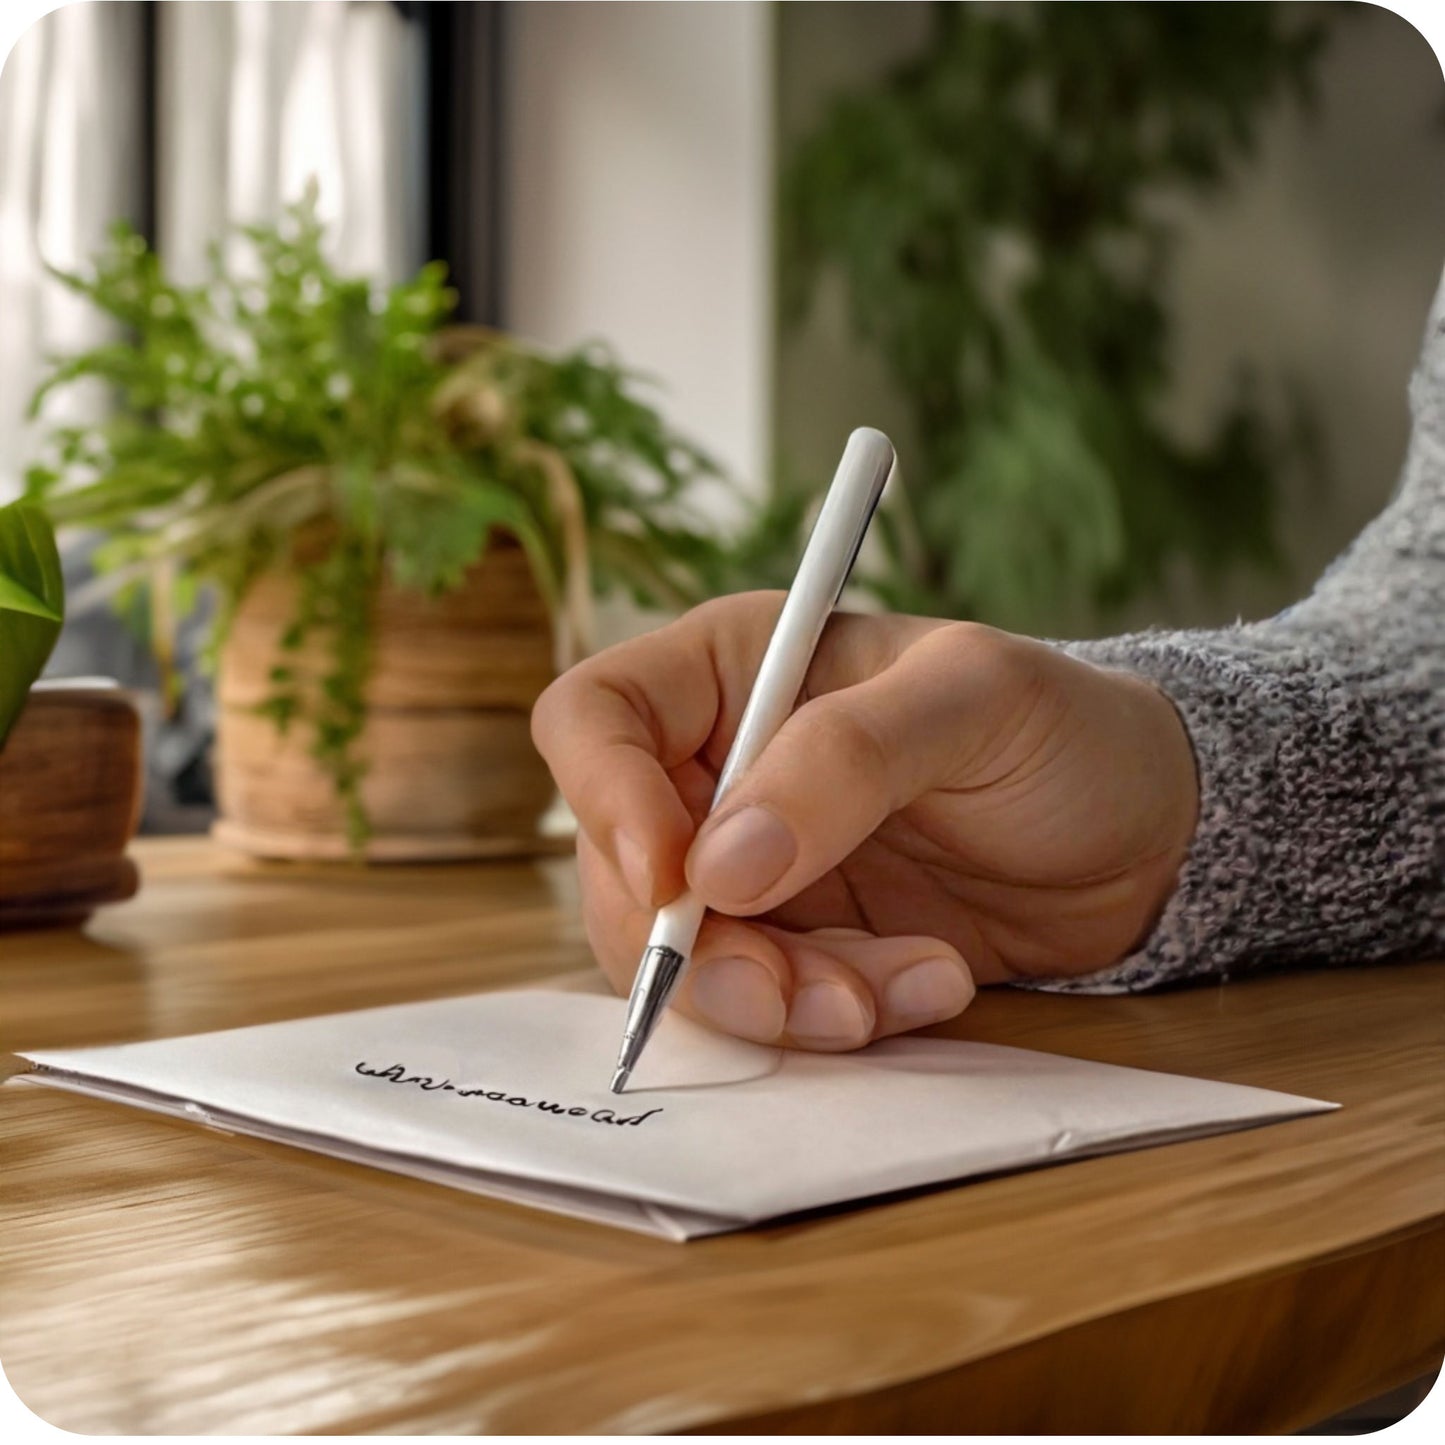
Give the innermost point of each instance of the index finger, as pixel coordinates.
(615, 727)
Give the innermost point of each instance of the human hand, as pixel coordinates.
(949, 803)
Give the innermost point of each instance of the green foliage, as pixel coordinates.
(635, 479)
(280, 398)
(997, 209)
(32, 604)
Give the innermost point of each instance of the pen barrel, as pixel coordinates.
(863, 472)
(868, 462)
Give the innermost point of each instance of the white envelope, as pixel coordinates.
(505, 1094)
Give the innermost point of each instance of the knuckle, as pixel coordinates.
(733, 630)
(714, 610)
(1005, 662)
(737, 615)
(976, 640)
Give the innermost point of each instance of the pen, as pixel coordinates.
(867, 465)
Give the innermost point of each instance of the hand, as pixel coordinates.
(949, 803)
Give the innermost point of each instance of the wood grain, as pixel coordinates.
(159, 1278)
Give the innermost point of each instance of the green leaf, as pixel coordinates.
(15, 598)
(282, 400)
(32, 604)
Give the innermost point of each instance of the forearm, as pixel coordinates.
(1319, 737)
(1319, 824)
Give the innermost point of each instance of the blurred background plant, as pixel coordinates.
(999, 210)
(280, 401)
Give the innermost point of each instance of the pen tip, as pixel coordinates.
(619, 1079)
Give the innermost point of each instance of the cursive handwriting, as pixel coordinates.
(397, 1074)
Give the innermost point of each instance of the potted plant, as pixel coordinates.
(402, 524)
(69, 753)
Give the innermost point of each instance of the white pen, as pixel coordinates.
(867, 465)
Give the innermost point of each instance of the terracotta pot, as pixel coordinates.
(451, 771)
(70, 798)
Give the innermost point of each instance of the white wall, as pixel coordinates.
(639, 179)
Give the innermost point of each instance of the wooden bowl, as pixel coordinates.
(70, 799)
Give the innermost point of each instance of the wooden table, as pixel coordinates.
(161, 1278)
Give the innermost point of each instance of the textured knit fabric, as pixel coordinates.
(1319, 737)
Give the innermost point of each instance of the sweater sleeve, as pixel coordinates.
(1319, 737)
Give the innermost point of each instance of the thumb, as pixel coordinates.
(835, 770)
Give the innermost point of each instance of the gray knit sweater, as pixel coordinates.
(1320, 742)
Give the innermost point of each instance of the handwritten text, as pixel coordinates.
(397, 1074)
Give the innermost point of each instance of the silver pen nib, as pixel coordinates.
(657, 976)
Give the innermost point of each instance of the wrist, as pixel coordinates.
(1173, 781)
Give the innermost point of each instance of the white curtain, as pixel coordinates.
(70, 163)
(255, 98)
(252, 99)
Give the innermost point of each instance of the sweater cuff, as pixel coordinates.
(1313, 829)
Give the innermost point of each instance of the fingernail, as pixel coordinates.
(827, 1013)
(636, 870)
(739, 996)
(743, 856)
(927, 993)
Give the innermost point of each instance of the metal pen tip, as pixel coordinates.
(620, 1078)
